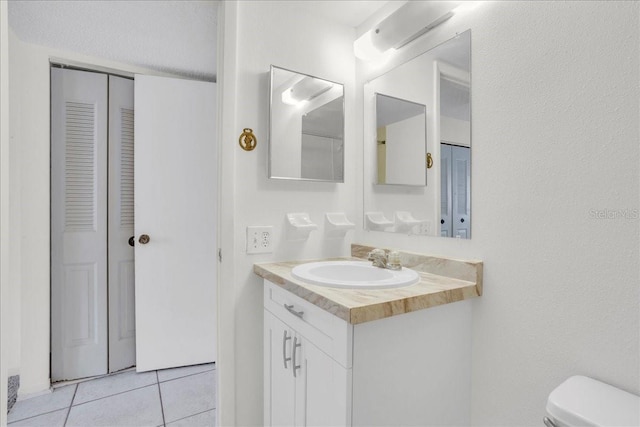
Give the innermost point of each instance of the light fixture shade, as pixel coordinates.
(363, 48)
(305, 90)
(406, 24)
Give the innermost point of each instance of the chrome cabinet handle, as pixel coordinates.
(292, 311)
(548, 422)
(296, 344)
(285, 338)
(144, 239)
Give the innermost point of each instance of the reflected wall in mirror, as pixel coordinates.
(306, 127)
(438, 79)
(401, 141)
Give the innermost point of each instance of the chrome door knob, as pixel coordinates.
(144, 239)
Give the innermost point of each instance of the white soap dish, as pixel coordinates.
(336, 224)
(406, 223)
(377, 221)
(299, 226)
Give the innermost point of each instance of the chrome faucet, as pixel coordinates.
(381, 259)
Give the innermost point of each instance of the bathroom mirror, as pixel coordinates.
(306, 127)
(401, 141)
(435, 200)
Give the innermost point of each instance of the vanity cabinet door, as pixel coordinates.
(321, 390)
(315, 394)
(279, 383)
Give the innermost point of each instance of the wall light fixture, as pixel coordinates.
(410, 21)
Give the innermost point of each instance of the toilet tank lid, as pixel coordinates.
(583, 401)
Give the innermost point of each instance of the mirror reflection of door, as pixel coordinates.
(455, 182)
(455, 159)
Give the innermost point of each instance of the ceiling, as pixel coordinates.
(150, 33)
(347, 12)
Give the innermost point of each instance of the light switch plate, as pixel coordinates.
(259, 239)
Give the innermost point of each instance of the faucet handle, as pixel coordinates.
(376, 253)
(394, 261)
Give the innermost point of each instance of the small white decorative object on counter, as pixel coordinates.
(336, 224)
(299, 226)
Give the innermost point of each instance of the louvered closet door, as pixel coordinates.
(461, 191)
(78, 224)
(122, 350)
(445, 190)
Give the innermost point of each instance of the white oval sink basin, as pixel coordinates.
(353, 275)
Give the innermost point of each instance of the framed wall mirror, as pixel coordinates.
(401, 194)
(306, 127)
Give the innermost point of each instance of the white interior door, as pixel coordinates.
(78, 224)
(122, 340)
(175, 206)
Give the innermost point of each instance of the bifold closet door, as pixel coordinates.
(78, 224)
(445, 190)
(122, 340)
(175, 222)
(461, 191)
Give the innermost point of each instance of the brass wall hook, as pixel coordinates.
(429, 161)
(247, 140)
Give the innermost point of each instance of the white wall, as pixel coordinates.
(269, 33)
(555, 143)
(5, 285)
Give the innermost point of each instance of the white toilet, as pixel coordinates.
(583, 401)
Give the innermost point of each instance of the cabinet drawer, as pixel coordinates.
(329, 333)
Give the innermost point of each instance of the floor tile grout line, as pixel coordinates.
(158, 382)
(70, 406)
(185, 376)
(42, 413)
(192, 415)
(164, 422)
(36, 415)
(116, 394)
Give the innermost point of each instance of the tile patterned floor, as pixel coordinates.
(180, 397)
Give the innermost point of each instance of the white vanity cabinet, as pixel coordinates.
(304, 384)
(320, 370)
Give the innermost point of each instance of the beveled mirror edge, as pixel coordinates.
(286, 178)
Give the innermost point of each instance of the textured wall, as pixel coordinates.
(153, 34)
(555, 146)
(5, 285)
(271, 33)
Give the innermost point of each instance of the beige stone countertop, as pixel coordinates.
(442, 281)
